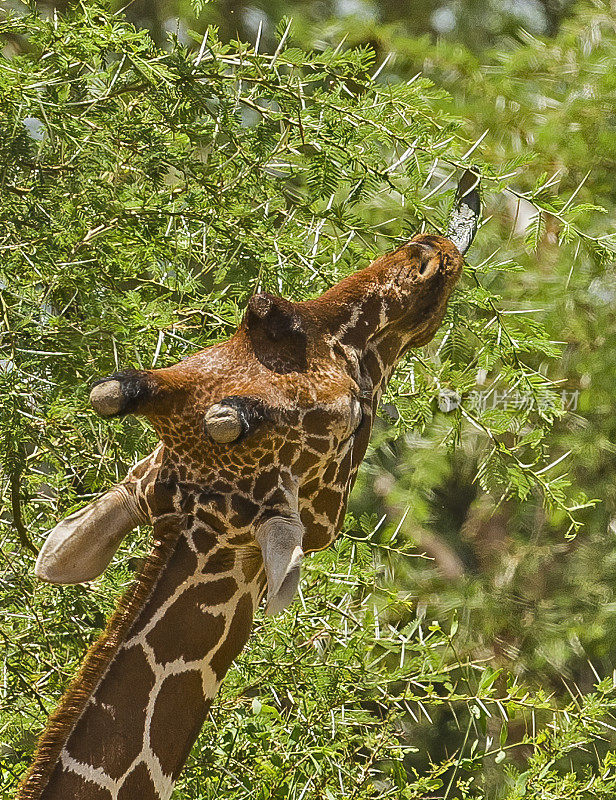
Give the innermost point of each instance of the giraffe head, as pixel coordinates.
(262, 435)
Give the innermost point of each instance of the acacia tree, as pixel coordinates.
(145, 195)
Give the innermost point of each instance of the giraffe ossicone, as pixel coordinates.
(233, 515)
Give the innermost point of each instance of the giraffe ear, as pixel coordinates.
(280, 539)
(80, 547)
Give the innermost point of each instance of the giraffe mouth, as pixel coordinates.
(420, 289)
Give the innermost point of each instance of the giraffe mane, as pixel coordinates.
(167, 529)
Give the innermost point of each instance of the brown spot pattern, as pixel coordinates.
(204, 540)
(236, 638)
(327, 502)
(138, 785)
(316, 422)
(64, 785)
(182, 564)
(185, 631)
(252, 561)
(264, 483)
(286, 454)
(223, 560)
(109, 733)
(180, 708)
(244, 511)
(305, 461)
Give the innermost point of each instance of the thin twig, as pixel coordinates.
(18, 523)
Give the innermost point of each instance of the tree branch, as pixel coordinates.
(18, 523)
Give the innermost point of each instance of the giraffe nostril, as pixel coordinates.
(429, 266)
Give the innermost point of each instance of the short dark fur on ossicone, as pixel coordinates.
(135, 388)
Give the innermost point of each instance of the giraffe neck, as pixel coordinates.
(127, 726)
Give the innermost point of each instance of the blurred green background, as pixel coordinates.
(537, 81)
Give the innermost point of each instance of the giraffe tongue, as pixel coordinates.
(280, 539)
(465, 215)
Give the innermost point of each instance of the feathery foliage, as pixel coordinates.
(145, 195)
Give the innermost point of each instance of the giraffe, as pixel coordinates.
(261, 438)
